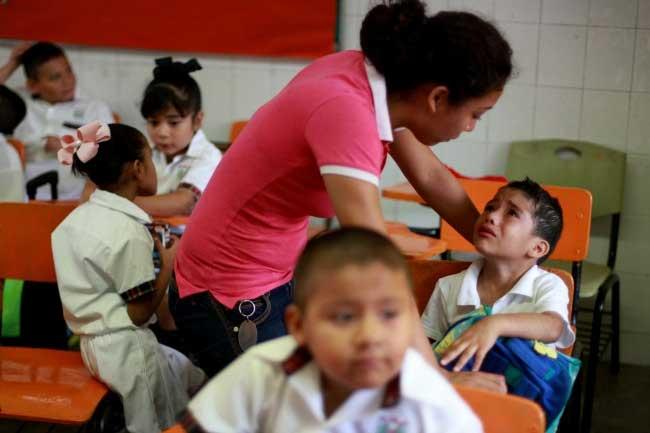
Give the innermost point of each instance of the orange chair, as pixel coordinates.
(503, 413)
(175, 429)
(236, 128)
(42, 385)
(20, 149)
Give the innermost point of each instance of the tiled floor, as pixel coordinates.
(622, 405)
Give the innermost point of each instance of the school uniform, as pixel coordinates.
(276, 387)
(193, 169)
(103, 259)
(12, 179)
(58, 119)
(456, 296)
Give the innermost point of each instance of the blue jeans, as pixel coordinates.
(208, 327)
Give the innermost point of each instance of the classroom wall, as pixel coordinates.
(583, 73)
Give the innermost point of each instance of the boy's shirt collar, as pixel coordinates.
(468, 294)
(304, 376)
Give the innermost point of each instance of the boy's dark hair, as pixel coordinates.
(126, 144)
(547, 216)
(12, 110)
(336, 249)
(172, 87)
(458, 50)
(38, 54)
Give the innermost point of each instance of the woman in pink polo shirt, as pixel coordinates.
(318, 148)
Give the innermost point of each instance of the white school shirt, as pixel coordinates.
(12, 179)
(537, 291)
(194, 167)
(274, 387)
(58, 119)
(101, 250)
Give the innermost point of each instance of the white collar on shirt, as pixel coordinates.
(120, 204)
(379, 99)
(304, 377)
(468, 294)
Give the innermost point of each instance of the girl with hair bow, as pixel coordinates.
(107, 282)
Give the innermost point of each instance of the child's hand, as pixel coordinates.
(168, 253)
(17, 51)
(52, 143)
(476, 341)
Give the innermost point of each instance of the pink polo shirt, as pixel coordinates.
(248, 229)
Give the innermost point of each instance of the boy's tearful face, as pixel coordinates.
(506, 227)
(358, 322)
(55, 81)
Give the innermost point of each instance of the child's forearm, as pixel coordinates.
(141, 309)
(179, 202)
(546, 327)
(7, 69)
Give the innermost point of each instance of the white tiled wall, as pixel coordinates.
(583, 72)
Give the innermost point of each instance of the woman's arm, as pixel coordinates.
(356, 202)
(435, 184)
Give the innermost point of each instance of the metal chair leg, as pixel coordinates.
(592, 363)
(615, 364)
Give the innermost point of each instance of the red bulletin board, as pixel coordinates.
(277, 28)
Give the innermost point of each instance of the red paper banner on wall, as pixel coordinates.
(278, 28)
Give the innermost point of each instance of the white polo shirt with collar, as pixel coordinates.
(102, 250)
(276, 387)
(537, 291)
(193, 169)
(58, 119)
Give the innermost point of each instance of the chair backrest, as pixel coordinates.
(20, 148)
(595, 168)
(504, 413)
(25, 232)
(576, 209)
(236, 128)
(426, 273)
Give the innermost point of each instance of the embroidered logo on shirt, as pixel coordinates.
(392, 424)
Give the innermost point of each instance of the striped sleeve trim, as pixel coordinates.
(193, 189)
(350, 172)
(138, 291)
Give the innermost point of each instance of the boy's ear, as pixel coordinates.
(294, 320)
(539, 248)
(438, 98)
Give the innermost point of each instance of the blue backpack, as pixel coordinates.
(531, 369)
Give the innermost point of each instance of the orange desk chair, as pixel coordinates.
(503, 413)
(43, 385)
(236, 128)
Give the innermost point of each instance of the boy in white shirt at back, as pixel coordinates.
(12, 179)
(54, 109)
(346, 365)
(517, 230)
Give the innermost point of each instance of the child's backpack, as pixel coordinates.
(531, 369)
